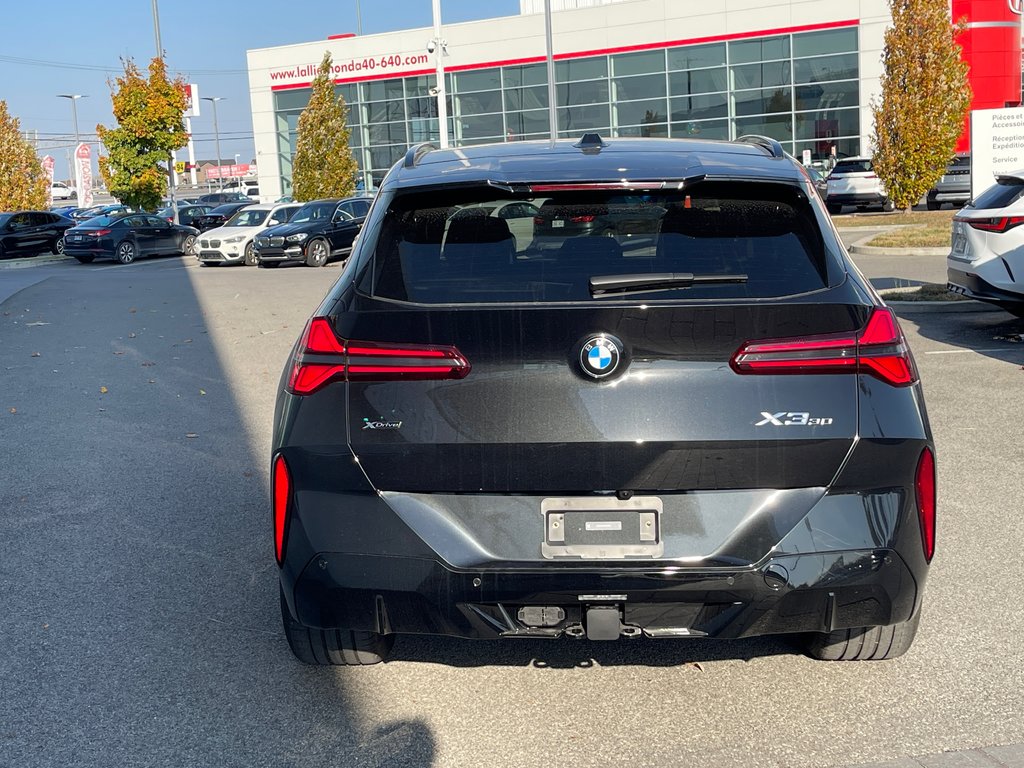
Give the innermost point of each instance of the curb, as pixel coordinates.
(929, 307)
(859, 248)
(33, 261)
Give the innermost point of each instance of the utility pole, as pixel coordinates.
(170, 156)
(73, 172)
(552, 91)
(439, 47)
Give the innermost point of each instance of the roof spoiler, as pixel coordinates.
(773, 147)
(416, 153)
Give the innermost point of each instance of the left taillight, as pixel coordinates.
(321, 357)
(924, 486)
(878, 349)
(997, 224)
(282, 492)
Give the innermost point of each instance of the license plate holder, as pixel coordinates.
(602, 528)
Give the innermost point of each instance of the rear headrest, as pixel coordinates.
(477, 229)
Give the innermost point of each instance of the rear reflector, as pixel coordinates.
(924, 484)
(282, 489)
(878, 349)
(322, 358)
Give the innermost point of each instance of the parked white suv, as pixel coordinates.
(986, 258)
(231, 243)
(853, 182)
(61, 191)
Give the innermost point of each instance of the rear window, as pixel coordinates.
(469, 246)
(1004, 192)
(852, 166)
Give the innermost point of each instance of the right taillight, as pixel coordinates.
(924, 486)
(878, 350)
(997, 224)
(322, 357)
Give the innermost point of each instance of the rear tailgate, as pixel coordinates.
(528, 419)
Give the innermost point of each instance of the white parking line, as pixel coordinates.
(967, 351)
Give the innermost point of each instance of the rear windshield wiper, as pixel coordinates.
(601, 285)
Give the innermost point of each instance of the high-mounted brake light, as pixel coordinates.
(878, 349)
(282, 490)
(924, 485)
(997, 224)
(322, 358)
(603, 186)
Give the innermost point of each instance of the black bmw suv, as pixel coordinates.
(319, 231)
(717, 433)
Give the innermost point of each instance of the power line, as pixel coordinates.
(110, 70)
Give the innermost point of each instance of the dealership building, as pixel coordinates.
(801, 71)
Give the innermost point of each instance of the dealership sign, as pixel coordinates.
(48, 173)
(228, 171)
(83, 174)
(997, 145)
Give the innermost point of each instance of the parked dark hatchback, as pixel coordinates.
(28, 233)
(319, 231)
(719, 434)
(126, 237)
(217, 216)
(218, 198)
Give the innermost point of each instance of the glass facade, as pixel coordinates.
(801, 89)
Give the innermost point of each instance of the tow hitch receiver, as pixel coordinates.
(603, 622)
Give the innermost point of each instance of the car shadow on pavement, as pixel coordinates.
(567, 653)
(992, 332)
(141, 623)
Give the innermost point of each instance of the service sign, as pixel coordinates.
(997, 145)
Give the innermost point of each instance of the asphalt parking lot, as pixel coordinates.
(141, 622)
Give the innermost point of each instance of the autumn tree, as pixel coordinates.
(323, 165)
(925, 97)
(23, 183)
(149, 127)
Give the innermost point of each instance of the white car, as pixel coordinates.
(986, 258)
(853, 182)
(61, 191)
(231, 243)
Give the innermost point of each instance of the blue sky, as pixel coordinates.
(205, 40)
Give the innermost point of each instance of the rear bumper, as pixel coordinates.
(856, 198)
(974, 286)
(800, 593)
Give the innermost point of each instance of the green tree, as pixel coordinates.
(149, 127)
(323, 165)
(23, 183)
(925, 98)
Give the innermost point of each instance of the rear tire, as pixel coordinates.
(125, 253)
(933, 205)
(834, 209)
(888, 206)
(334, 647)
(864, 643)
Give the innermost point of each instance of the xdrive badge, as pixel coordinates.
(600, 356)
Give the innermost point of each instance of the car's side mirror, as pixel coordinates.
(273, 223)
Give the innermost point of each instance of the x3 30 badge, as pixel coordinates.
(792, 419)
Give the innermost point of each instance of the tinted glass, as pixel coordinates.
(450, 247)
(1000, 195)
(852, 166)
(827, 41)
(581, 69)
(314, 212)
(247, 217)
(697, 56)
(638, 63)
(761, 49)
(100, 221)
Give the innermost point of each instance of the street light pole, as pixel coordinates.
(73, 98)
(439, 50)
(216, 135)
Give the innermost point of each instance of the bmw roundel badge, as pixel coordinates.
(600, 356)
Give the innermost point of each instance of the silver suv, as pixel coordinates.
(955, 185)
